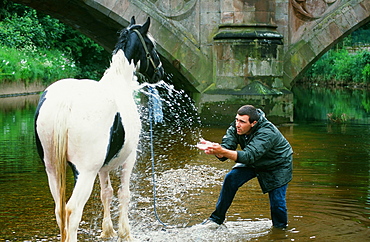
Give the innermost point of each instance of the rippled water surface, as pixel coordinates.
(328, 199)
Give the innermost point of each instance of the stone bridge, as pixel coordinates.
(224, 53)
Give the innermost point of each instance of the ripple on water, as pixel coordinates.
(234, 231)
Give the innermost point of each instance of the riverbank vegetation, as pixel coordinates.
(37, 48)
(347, 64)
(30, 65)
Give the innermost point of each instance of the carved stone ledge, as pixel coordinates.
(311, 10)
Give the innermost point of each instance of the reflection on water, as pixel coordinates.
(16, 119)
(317, 103)
(328, 199)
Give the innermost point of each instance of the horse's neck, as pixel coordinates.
(119, 79)
(119, 83)
(120, 76)
(120, 87)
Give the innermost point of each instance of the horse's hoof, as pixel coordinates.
(107, 235)
(126, 238)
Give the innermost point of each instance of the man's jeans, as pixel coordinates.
(235, 179)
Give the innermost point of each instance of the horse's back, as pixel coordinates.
(92, 115)
(84, 102)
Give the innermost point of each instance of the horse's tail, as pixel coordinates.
(60, 155)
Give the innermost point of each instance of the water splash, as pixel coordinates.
(155, 105)
(177, 107)
(180, 122)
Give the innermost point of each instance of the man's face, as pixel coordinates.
(243, 126)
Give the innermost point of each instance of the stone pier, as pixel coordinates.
(247, 63)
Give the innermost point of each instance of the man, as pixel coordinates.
(265, 154)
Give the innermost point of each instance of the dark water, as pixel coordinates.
(328, 199)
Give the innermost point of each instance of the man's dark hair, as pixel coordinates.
(249, 110)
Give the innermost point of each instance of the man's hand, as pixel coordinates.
(216, 149)
(204, 144)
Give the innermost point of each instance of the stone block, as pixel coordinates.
(228, 5)
(227, 17)
(335, 31)
(119, 12)
(263, 17)
(343, 23)
(365, 4)
(229, 82)
(360, 10)
(209, 6)
(324, 37)
(211, 18)
(350, 15)
(103, 6)
(315, 45)
(207, 32)
(237, 6)
(265, 6)
(249, 18)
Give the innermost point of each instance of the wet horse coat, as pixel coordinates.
(95, 127)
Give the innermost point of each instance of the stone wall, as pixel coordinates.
(20, 88)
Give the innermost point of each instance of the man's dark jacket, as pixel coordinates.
(265, 150)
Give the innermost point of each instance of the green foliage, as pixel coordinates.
(343, 65)
(58, 51)
(321, 70)
(339, 65)
(28, 28)
(31, 65)
(366, 73)
(361, 36)
(90, 57)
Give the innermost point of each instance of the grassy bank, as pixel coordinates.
(31, 65)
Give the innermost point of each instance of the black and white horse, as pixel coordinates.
(94, 127)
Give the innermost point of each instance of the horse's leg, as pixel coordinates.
(124, 233)
(77, 201)
(106, 195)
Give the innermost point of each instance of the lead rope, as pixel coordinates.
(154, 101)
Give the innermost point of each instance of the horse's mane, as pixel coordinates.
(119, 68)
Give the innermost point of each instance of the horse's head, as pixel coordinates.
(139, 47)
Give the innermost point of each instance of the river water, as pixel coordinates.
(328, 198)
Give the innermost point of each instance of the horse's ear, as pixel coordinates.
(145, 28)
(132, 21)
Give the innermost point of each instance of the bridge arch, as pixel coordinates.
(320, 35)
